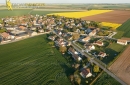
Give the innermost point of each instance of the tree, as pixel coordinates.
(63, 49)
(96, 68)
(78, 80)
(71, 77)
(51, 43)
(82, 32)
(76, 36)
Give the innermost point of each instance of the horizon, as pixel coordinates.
(66, 1)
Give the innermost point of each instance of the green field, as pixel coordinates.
(125, 27)
(15, 12)
(105, 79)
(32, 62)
(116, 47)
(18, 12)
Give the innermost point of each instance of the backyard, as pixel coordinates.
(32, 61)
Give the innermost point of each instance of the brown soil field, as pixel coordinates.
(121, 67)
(116, 16)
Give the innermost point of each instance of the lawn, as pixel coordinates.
(116, 47)
(32, 62)
(106, 79)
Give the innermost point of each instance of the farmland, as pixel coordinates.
(125, 28)
(47, 12)
(81, 14)
(32, 61)
(108, 24)
(114, 16)
(121, 67)
(16, 12)
(19, 12)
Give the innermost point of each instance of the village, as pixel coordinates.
(63, 32)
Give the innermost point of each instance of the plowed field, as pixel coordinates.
(121, 67)
(116, 16)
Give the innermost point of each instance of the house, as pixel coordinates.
(93, 33)
(69, 37)
(71, 50)
(33, 33)
(41, 30)
(122, 42)
(5, 35)
(74, 54)
(85, 73)
(52, 38)
(86, 39)
(89, 47)
(99, 43)
(22, 27)
(59, 32)
(102, 54)
(76, 57)
(60, 42)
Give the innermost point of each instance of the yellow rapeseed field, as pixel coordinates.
(81, 14)
(113, 25)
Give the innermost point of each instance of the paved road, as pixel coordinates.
(99, 63)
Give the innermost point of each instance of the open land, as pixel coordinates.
(32, 61)
(121, 67)
(116, 16)
(123, 30)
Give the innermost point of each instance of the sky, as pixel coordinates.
(67, 1)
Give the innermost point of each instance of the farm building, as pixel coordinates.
(122, 42)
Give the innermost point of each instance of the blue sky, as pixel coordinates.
(68, 1)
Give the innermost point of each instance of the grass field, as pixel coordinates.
(15, 12)
(105, 79)
(124, 28)
(32, 62)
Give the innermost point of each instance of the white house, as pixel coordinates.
(89, 48)
(51, 38)
(34, 33)
(85, 73)
(86, 39)
(102, 54)
(122, 42)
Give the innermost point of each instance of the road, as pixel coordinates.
(94, 60)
